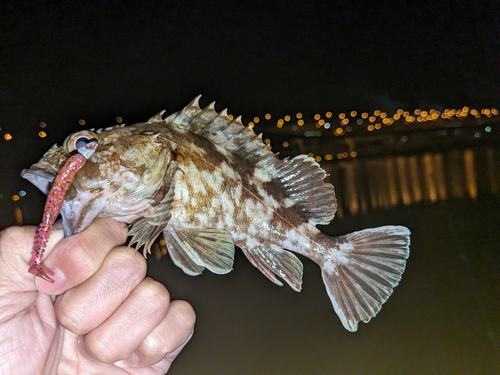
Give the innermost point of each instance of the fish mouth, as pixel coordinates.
(40, 178)
(77, 212)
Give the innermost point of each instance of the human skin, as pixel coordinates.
(106, 317)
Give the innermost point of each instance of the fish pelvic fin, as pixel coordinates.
(193, 250)
(362, 269)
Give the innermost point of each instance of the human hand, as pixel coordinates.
(107, 318)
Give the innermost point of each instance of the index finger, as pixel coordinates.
(74, 259)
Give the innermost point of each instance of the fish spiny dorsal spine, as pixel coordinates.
(157, 119)
(219, 129)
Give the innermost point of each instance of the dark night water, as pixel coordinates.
(443, 318)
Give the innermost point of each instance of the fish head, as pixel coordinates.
(122, 179)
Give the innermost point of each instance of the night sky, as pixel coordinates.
(96, 60)
(100, 58)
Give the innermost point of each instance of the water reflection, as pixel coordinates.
(364, 185)
(380, 183)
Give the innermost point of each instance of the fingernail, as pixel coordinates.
(51, 288)
(132, 360)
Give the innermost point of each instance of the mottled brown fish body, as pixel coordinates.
(208, 183)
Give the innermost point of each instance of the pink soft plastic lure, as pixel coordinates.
(53, 205)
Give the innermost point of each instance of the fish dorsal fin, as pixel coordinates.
(219, 129)
(302, 180)
(156, 118)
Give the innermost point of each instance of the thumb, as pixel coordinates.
(16, 245)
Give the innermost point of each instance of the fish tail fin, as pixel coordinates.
(362, 269)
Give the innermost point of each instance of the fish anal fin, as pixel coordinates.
(301, 179)
(362, 270)
(202, 248)
(274, 262)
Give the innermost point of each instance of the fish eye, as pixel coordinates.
(77, 140)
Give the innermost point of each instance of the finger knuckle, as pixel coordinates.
(154, 290)
(128, 261)
(100, 349)
(155, 296)
(112, 231)
(71, 319)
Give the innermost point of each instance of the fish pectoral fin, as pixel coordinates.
(274, 262)
(196, 249)
(146, 230)
(362, 269)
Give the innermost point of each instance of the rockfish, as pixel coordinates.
(209, 183)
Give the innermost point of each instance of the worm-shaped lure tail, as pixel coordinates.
(53, 205)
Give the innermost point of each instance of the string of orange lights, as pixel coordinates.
(340, 125)
(345, 122)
